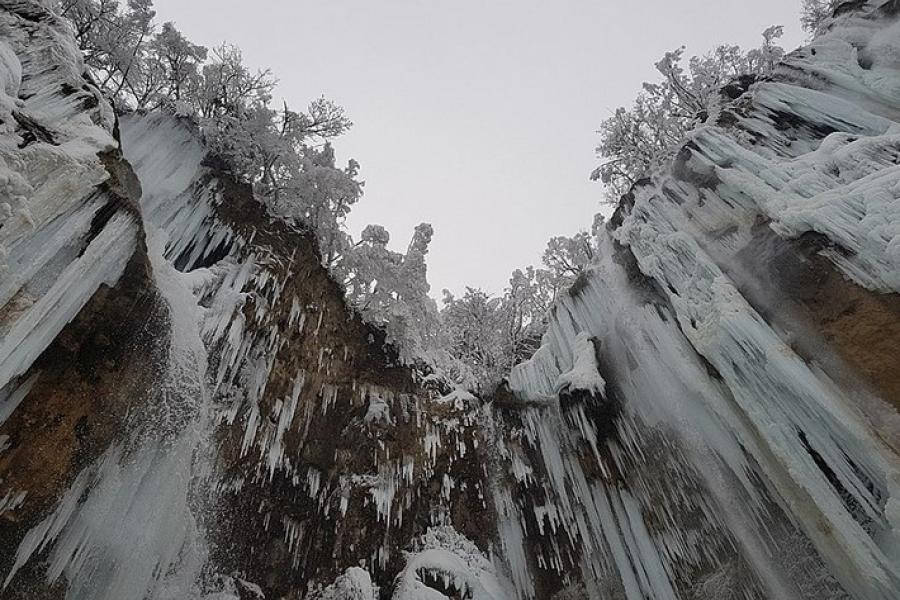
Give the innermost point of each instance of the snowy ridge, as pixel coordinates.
(769, 444)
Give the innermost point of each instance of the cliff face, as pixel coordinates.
(327, 453)
(188, 408)
(72, 263)
(743, 318)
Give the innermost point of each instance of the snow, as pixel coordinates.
(459, 399)
(712, 462)
(354, 584)
(585, 372)
(443, 555)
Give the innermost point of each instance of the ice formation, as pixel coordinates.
(189, 409)
(51, 259)
(261, 409)
(742, 458)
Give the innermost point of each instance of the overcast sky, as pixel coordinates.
(476, 116)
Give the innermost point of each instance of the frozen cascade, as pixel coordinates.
(51, 190)
(277, 382)
(735, 451)
(678, 458)
(126, 521)
(711, 415)
(127, 527)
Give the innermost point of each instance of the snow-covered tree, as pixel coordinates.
(135, 62)
(390, 289)
(296, 174)
(113, 38)
(228, 88)
(181, 60)
(371, 270)
(473, 325)
(765, 58)
(815, 13)
(286, 155)
(490, 335)
(568, 256)
(526, 302)
(633, 139)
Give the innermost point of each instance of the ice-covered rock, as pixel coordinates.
(744, 308)
(65, 229)
(189, 409)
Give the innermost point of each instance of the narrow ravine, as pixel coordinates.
(191, 408)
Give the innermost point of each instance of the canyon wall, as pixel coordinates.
(188, 408)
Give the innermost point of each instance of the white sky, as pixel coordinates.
(476, 116)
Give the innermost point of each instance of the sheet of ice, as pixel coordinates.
(40, 322)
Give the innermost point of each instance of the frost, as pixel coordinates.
(444, 564)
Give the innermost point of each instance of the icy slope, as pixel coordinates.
(744, 319)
